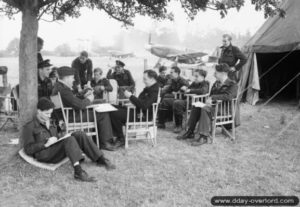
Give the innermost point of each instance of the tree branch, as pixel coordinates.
(110, 13)
(14, 3)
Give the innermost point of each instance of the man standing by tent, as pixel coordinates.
(232, 56)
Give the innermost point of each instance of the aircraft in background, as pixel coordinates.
(185, 56)
(120, 54)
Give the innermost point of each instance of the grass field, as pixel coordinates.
(263, 161)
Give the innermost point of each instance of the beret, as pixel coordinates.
(65, 71)
(223, 67)
(44, 63)
(120, 63)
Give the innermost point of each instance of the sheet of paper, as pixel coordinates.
(199, 104)
(62, 138)
(105, 107)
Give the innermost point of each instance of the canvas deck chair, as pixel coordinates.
(74, 119)
(142, 127)
(224, 114)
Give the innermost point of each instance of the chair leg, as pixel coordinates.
(213, 129)
(126, 136)
(233, 131)
(3, 125)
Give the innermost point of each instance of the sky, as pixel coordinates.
(96, 25)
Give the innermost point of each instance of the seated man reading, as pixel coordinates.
(143, 102)
(100, 84)
(223, 89)
(41, 142)
(175, 84)
(69, 99)
(199, 87)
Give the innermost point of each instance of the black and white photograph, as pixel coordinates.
(149, 103)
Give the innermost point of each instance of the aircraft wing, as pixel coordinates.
(187, 58)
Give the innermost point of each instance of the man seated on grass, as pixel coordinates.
(175, 84)
(223, 89)
(199, 87)
(41, 137)
(143, 102)
(69, 99)
(100, 84)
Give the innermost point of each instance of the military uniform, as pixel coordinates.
(179, 106)
(103, 82)
(44, 87)
(231, 55)
(83, 72)
(123, 78)
(70, 100)
(166, 105)
(163, 80)
(226, 91)
(37, 134)
(143, 102)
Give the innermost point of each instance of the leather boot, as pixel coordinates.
(178, 123)
(161, 119)
(202, 140)
(189, 134)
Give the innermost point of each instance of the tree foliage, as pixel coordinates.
(125, 10)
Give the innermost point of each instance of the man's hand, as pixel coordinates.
(91, 97)
(79, 88)
(188, 90)
(208, 101)
(89, 84)
(127, 94)
(184, 88)
(102, 88)
(50, 141)
(232, 69)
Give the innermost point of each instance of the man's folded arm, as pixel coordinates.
(30, 145)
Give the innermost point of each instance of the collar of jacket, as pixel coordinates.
(37, 122)
(227, 48)
(64, 84)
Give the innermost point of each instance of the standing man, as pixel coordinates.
(175, 84)
(41, 135)
(232, 56)
(122, 76)
(40, 45)
(44, 83)
(83, 71)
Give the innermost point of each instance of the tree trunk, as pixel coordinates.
(28, 67)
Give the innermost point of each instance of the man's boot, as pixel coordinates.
(189, 134)
(178, 123)
(201, 141)
(161, 119)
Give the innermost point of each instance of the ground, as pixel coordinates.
(264, 161)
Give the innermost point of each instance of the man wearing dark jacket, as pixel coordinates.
(232, 56)
(223, 89)
(44, 83)
(83, 70)
(199, 87)
(122, 76)
(100, 84)
(175, 84)
(64, 87)
(42, 143)
(143, 102)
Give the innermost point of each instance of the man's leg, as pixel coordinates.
(89, 148)
(204, 126)
(179, 107)
(104, 130)
(192, 122)
(118, 119)
(165, 106)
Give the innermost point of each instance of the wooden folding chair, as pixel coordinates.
(7, 111)
(74, 118)
(142, 127)
(224, 114)
(190, 100)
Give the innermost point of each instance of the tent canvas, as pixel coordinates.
(276, 35)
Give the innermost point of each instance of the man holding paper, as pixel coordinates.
(43, 143)
(69, 99)
(223, 89)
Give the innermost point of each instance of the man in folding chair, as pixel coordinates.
(100, 84)
(223, 89)
(175, 84)
(199, 87)
(143, 102)
(41, 142)
(64, 87)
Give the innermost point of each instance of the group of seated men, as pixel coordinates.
(78, 90)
